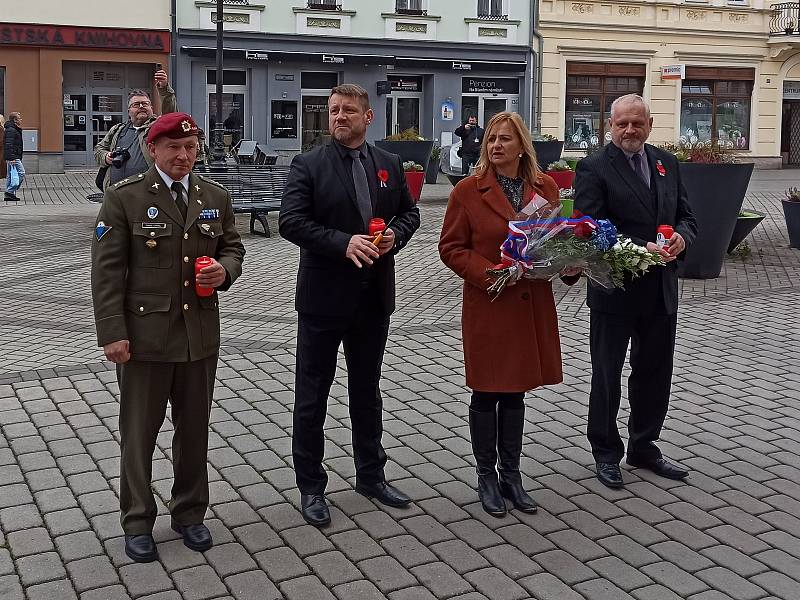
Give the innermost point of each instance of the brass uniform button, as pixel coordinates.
(186, 236)
(185, 307)
(141, 309)
(186, 259)
(186, 283)
(152, 234)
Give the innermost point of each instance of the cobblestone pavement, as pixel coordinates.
(730, 532)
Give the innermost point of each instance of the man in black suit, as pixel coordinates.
(345, 291)
(638, 187)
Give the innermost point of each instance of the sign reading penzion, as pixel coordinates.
(83, 37)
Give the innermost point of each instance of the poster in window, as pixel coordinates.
(284, 119)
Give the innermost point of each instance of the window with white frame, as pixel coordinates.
(410, 7)
(493, 9)
(324, 4)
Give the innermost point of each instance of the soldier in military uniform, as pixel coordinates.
(163, 337)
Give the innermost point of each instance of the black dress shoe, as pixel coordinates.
(141, 548)
(10, 197)
(383, 493)
(659, 466)
(314, 509)
(609, 475)
(196, 537)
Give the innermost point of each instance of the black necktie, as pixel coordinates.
(362, 187)
(180, 201)
(637, 168)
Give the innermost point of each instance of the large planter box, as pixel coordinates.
(744, 225)
(415, 179)
(563, 179)
(547, 152)
(419, 152)
(432, 172)
(791, 212)
(716, 193)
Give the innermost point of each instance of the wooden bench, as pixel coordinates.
(254, 189)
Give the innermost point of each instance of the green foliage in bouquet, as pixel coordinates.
(407, 135)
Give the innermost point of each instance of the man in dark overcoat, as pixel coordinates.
(638, 187)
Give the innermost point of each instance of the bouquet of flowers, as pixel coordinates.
(541, 244)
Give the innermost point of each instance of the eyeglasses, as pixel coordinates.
(142, 104)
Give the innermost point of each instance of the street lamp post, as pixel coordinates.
(218, 151)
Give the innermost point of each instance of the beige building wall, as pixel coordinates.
(667, 33)
(141, 14)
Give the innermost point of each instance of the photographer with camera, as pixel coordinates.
(123, 151)
(471, 135)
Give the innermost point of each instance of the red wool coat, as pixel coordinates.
(511, 344)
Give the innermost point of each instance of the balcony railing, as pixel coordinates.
(785, 19)
(411, 11)
(317, 5)
(490, 17)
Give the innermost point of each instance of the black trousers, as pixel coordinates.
(318, 338)
(144, 389)
(652, 340)
(467, 160)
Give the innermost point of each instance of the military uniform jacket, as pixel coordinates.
(143, 258)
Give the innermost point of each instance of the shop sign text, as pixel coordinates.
(83, 37)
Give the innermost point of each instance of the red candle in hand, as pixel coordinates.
(376, 226)
(201, 263)
(663, 235)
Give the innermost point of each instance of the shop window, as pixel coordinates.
(591, 89)
(716, 108)
(284, 119)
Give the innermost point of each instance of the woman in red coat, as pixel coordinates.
(511, 345)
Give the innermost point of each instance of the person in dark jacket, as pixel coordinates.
(471, 135)
(12, 151)
(2, 150)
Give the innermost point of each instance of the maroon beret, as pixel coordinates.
(174, 126)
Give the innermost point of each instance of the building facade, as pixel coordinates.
(427, 64)
(69, 77)
(726, 70)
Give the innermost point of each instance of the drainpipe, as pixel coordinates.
(173, 51)
(536, 121)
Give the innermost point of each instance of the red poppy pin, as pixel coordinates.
(383, 175)
(660, 168)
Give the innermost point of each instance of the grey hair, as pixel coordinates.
(138, 92)
(630, 99)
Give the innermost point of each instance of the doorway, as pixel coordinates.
(403, 103)
(485, 107)
(790, 132)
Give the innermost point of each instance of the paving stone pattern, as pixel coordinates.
(731, 531)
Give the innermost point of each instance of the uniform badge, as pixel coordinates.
(152, 212)
(151, 244)
(101, 229)
(205, 227)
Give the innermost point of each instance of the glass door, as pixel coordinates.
(402, 112)
(108, 109)
(314, 121)
(492, 106)
(76, 142)
(234, 110)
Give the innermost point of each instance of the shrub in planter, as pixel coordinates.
(561, 173)
(715, 184)
(432, 172)
(791, 212)
(548, 149)
(745, 223)
(409, 145)
(415, 177)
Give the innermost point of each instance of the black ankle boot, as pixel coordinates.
(483, 431)
(510, 423)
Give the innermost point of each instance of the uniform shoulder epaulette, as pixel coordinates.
(209, 180)
(128, 181)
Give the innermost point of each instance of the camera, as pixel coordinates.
(119, 157)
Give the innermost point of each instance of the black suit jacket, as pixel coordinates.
(320, 214)
(607, 188)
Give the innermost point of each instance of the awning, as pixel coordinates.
(460, 65)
